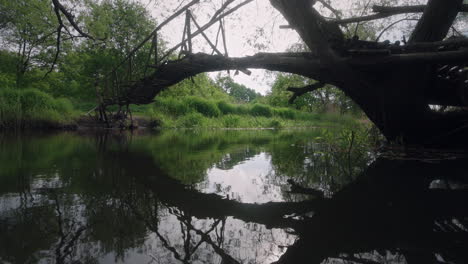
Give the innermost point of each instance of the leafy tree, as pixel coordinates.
(238, 91)
(25, 27)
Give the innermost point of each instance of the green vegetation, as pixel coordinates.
(38, 91)
(195, 112)
(33, 108)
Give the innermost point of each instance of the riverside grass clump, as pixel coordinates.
(196, 112)
(31, 108)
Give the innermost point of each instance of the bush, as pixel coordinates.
(286, 113)
(261, 110)
(191, 120)
(242, 110)
(204, 107)
(10, 108)
(275, 124)
(33, 101)
(226, 108)
(172, 106)
(32, 108)
(231, 121)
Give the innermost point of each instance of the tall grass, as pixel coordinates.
(32, 108)
(191, 112)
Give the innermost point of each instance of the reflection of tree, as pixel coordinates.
(388, 208)
(120, 196)
(69, 230)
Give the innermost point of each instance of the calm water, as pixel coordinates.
(225, 197)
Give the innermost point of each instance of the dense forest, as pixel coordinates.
(43, 84)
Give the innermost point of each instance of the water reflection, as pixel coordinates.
(224, 197)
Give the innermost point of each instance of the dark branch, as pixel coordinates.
(171, 73)
(411, 58)
(70, 19)
(321, 36)
(386, 11)
(299, 91)
(436, 21)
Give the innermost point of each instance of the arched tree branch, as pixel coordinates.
(299, 91)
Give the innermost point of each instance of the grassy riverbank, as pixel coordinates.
(31, 108)
(195, 112)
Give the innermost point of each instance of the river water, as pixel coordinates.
(255, 196)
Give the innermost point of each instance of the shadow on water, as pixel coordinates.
(224, 197)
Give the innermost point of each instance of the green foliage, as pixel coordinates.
(226, 108)
(171, 106)
(231, 121)
(193, 111)
(191, 120)
(286, 113)
(204, 107)
(275, 124)
(327, 99)
(239, 92)
(261, 110)
(33, 108)
(200, 85)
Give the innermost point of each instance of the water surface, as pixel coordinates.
(224, 197)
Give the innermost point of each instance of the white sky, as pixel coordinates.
(243, 35)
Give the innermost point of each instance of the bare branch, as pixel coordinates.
(70, 19)
(150, 36)
(206, 26)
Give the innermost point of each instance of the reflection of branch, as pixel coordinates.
(206, 238)
(298, 189)
(64, 249)
(203, 205)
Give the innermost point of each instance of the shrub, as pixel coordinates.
(191, 120)
(231, 121)
(34, 101)
(261, 110)
(226, 108)
(10, 108)
(32, 108)
(275, 124)
(171, 106)
(242, 110)
(286, 113)
(204, 107)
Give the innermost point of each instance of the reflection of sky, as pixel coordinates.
(247, 181)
